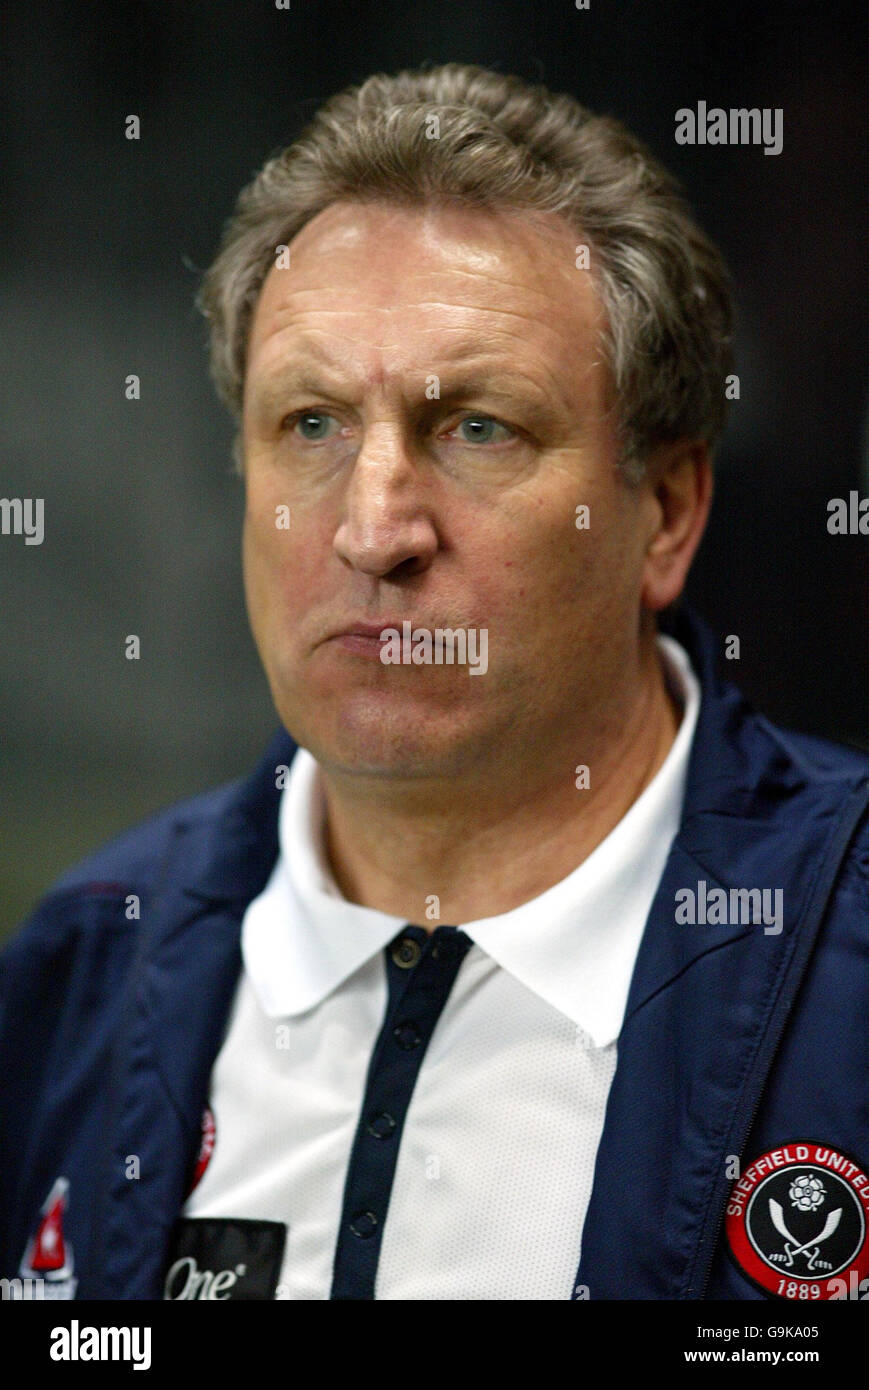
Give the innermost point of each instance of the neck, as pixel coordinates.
(485, 850)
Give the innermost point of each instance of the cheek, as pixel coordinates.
(548, 559)
(285, 556)
(267, 554)
(257, 543)
(552, 571)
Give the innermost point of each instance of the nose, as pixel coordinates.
(386, 521)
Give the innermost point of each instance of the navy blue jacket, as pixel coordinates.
(736, 1040)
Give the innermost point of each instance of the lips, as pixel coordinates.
(360, 639)
(364, 629)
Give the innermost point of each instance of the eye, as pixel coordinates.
(314, 424)
(482, 429)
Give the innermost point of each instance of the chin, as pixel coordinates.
(368, 738)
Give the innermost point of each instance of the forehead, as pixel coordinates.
(415, 284)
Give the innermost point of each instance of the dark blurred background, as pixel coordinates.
(103, 240)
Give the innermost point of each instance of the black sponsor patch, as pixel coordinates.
(215, 1259)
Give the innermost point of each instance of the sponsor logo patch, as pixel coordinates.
(217, 1259)
(798, 1222)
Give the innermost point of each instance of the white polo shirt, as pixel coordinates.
(423, 1110)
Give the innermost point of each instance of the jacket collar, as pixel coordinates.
(233, 856)
(753, 816)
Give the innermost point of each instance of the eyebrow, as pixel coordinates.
(505, 386)
(299, 378)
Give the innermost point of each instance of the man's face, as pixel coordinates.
(425, 403)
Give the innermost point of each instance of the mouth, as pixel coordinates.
(367, 630)
(362, 638)
(358, 644)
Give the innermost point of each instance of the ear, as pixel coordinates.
(679, 481)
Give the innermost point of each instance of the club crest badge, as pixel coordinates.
(798, 1223)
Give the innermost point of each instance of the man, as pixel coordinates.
(530, 963)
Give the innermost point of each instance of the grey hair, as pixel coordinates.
(502, 143)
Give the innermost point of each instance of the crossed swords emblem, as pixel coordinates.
(792, 1246)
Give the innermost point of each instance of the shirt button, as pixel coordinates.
(406, 952)
(381, 1126)
(406, 1036)
(364, 1224)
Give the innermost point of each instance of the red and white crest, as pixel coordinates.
(49, 1255)
(798, 1223)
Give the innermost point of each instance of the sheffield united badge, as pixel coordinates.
(798, 1223)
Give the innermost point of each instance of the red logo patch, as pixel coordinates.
(798, 1223)
(48, 1257)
